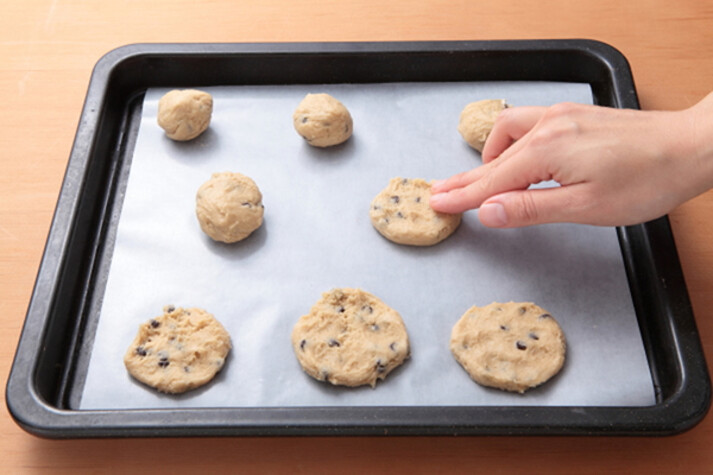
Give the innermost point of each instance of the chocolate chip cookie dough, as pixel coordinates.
(510, 346)
(179, 350)
(350, 338)
(477, 120)
(401, 213)
(322, 120)
(185, 114)
(229, 207)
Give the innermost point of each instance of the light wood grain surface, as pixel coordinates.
(47, 51)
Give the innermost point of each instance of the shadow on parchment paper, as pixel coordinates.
(332, 156)
(466, 233)
(190, 151)
(536, 253)
(241, 249)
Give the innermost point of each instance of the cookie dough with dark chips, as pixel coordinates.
(350, 338)
(179, 350)
(511, 346)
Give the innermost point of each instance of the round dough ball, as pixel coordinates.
(401, 213)
(322, 120)
(185, 114)
(511, 346)
(477, 120)
(229, 207)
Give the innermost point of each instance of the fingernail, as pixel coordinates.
(437, 183)
(493, 215)
(436, 198)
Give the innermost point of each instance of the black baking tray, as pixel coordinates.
(63, 311)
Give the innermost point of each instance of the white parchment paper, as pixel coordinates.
(317, 236)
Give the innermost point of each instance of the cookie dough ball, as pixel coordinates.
(350, 338)
(511, 346)
(477, 120)
(185, 114)
(229, 207)
(179, 350)
(401, 213)
(322, 120)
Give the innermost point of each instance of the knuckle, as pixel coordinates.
(486, 184)
(558, 123)
(525, 209)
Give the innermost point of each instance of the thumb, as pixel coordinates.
(525, 208)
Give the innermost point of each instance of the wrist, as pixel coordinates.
(687, 140)
(701, 124)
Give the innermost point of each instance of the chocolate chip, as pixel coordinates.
(141, 351)
(503, 327)
(533, 336)
(163, 362)
(246, 204)
(368, 309)
(170, 309)
(520, 345)
(404, 181)
(340, 309)
(395, 199)
(544, 315)
(380, 368)
(304, 120)
(332, 343)
(325, 375)
(392, 346)
(155, 324)
(400, 214)
(375, 327)
(187, 369)
(418, 199)
(302, 344)
(522, 310)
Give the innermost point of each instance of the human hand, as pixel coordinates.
(615, 166)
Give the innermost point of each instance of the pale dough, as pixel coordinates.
(229, 207)
(511, 346)
(477, 120)
(401, 214)
(350, 338)
(322, 120)
(185, 114)
(178, 350)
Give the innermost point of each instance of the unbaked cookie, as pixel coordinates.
(179, 350)
(511, 346)
(322, 120)
(401, 213)
(477, 120)
(185, 114)
(350, 338)
(229, 207)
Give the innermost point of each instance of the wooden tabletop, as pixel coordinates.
(47, 51)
